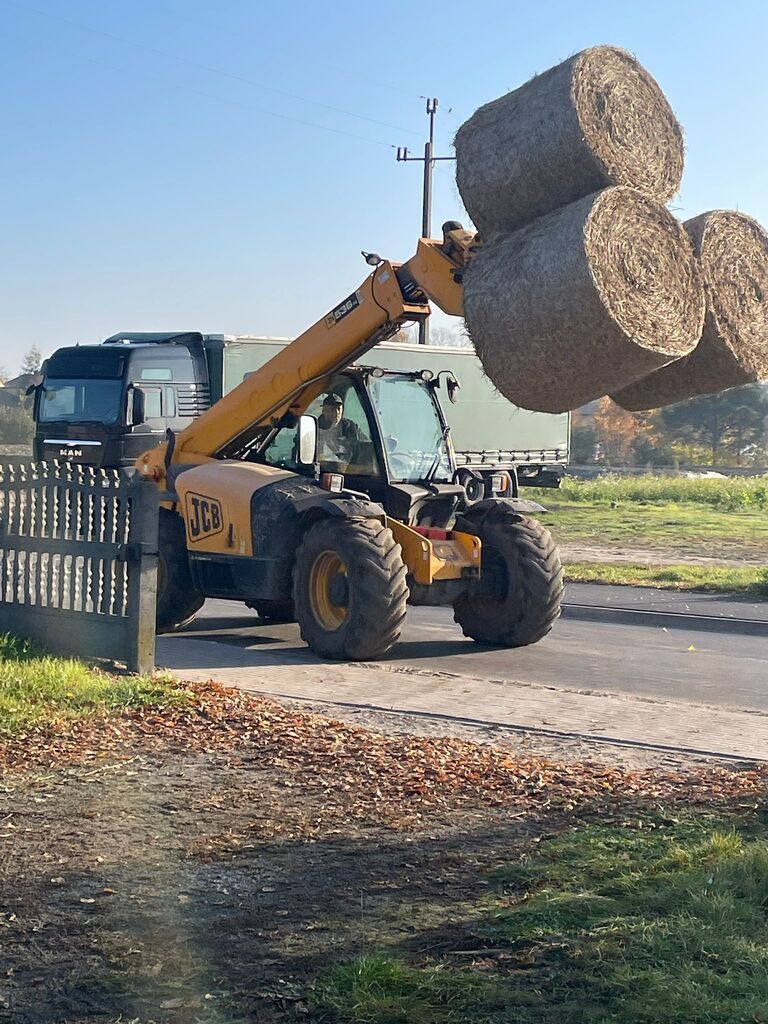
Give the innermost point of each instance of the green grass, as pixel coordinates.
(711, 579)
(658, 922)
(692, 529)
(37, 689)
(720, 518)
(730, 494)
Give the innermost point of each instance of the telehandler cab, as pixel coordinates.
(329, 494)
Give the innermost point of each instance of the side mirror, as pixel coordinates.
(35, 391)
(138, 407)
(451, 384)
(306, 441)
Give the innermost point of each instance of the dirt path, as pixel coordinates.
(730, 556)
(175, 892)
(209, 867)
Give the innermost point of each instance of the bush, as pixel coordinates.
(16, 425)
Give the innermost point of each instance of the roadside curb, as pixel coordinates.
(666, 620)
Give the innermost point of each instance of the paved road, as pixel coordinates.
(678, 664)
(651, 599)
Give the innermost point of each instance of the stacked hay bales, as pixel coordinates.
(733, 350)
(583, 300)
(584, 283)
(598, 119)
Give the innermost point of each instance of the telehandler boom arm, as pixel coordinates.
(393, 295)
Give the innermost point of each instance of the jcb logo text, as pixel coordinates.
(204, 517)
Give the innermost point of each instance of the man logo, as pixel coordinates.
(204, 517)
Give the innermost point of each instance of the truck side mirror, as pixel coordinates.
(36, 391)
(138, 407)
(306, 441)
(451, 384)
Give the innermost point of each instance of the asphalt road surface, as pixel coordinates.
(646, 661)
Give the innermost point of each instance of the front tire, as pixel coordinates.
(518, 599)
(349, 589)
(178, 601)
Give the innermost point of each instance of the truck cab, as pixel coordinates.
(103, 405)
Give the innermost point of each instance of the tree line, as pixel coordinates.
(729, 429)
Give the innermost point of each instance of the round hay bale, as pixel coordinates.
(597, 119)
(733, 252)
(584, 301)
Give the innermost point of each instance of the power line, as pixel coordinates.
(211, 69)
(238, 103)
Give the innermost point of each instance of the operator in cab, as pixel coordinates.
(338, 437)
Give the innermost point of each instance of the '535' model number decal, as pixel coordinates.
(204, 516)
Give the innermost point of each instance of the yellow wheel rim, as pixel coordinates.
(327, 566)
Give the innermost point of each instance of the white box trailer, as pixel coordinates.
(489, 433)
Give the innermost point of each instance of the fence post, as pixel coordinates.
(142, 590)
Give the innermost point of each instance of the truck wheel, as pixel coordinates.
(349, 589)
(273, 611)
(178, 602)
(521, 589)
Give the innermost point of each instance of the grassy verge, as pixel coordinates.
(693, 529)
(633, 923)
(720, 518)
(710, 579)
(729, 494)
(37, 689)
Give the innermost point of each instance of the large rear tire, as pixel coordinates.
(178, 601)
(518, 599)
(349, 589)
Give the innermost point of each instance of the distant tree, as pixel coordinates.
(32, 361)
(16, 426)
(449, 337)
(727, 425)
(583, 443)
(3, 375)
(583, 438)
(617, 431)
(404, 337)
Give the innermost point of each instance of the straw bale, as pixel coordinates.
(597, 119)
(584, 300)
(733, 252)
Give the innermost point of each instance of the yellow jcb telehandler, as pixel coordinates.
(327, 493)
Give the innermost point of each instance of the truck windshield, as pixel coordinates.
(413, 437)
(73, 401)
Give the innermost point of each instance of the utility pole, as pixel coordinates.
(429, 159)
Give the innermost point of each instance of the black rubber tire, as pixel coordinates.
(377, 592)
(273, 611)
(528, 592)
(178, 602)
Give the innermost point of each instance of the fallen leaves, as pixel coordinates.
(352, 774)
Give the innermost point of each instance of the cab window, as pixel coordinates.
(153, 406)
(344, 439)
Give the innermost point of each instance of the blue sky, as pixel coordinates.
(176, 164)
